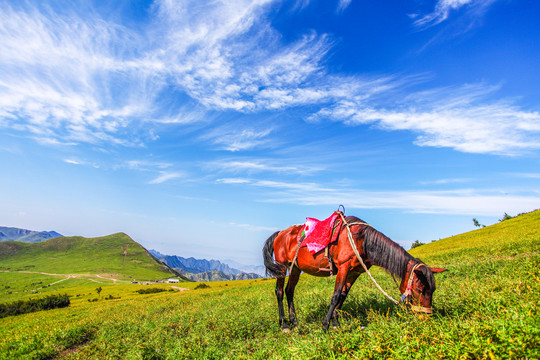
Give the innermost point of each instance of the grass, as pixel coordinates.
(486, 308)
(115, 256)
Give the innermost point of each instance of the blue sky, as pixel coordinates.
(199, 128)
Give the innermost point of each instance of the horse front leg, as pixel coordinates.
(294, 276)
(280, 282)
(340, 282)
(344, 292)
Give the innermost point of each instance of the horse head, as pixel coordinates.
(418, 286)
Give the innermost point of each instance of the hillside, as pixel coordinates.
(518, 236)
(116, 256)
(485, 307)
(30, 236)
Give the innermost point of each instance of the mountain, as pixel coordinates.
(257, 269)
(219, 276)
(194, 266)
(29, 236)
(202, 269)
(114, 256)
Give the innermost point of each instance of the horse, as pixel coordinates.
(281, 252)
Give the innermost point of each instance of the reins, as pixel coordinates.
(355, 249)
(408, 291)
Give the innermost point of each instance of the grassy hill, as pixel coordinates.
(518, 236)
(486, 307)
(115, 256)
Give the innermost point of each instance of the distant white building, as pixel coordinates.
(173, 281)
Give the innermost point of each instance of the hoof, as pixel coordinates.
(286, 330)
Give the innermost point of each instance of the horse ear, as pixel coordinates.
(437, 270)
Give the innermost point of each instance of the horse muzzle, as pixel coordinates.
(421, 309)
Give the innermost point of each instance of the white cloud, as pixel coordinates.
(234, 181)
(145, 165)
(444, 7)
(68, 77)
(254, 227)
(257, 166)
(446, 181)
(166, 176)
(231, 138)
(456, 202)
(462, 119)
(342, 5)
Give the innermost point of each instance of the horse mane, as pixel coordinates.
(382, 251)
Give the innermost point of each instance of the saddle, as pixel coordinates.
(317, 235)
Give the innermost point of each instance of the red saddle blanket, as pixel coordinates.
(317, 234)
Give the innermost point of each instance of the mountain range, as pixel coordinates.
(23, 235)
(205, 270)
(188, 268)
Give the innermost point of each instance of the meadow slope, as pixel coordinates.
(486, 307)
(114, 257)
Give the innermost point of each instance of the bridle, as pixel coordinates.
(408, 293)
(408, 290)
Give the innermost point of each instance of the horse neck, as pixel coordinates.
(383, 252)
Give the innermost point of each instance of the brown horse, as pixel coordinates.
(374, 248)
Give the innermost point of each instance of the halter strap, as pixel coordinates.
(408, 291)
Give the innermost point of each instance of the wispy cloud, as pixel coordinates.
(71, 161)
(460, 118)
(81, 162)
(67, 77)
(527, 175)
(166, 176)
(234, 181)
(342, 5)
(104, 82)
(260, 165)
(231, 138)
(446, 181)
(456, 202)
(442, 10)
(254, 227)
(145, 165)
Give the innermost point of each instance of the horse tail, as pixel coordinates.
(272, 267)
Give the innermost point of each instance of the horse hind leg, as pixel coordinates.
(280, 283)
(294, 276)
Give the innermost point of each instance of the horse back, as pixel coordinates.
(286, 243)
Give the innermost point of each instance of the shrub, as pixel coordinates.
(202, 286)
(27, 306)
(150, 291)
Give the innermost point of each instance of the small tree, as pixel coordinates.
(416, 243)
(476, 223)
(505, 217)
(98, 290)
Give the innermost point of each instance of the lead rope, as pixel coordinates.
(355, 249)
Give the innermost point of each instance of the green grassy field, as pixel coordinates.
(109, 258)
(486, 307)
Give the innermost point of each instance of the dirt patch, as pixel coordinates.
(179, 288)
